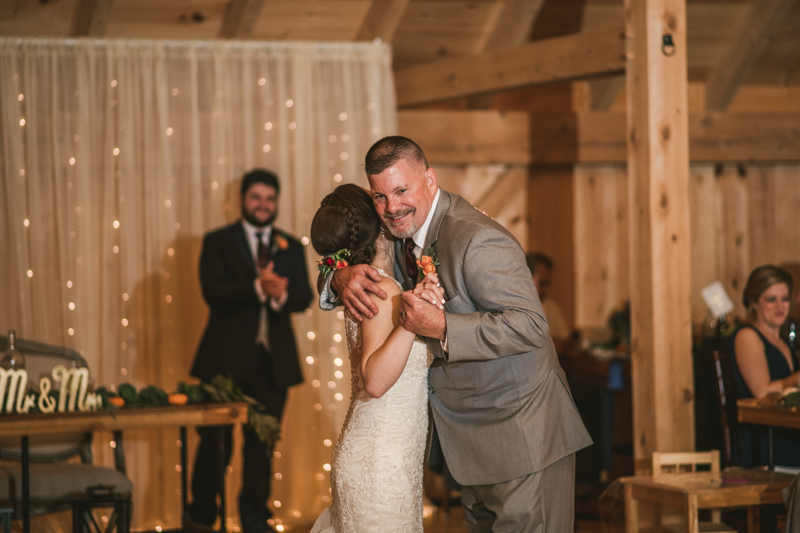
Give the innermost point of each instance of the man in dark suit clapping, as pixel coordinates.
(253, 277)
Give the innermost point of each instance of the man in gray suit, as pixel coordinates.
(501, 407)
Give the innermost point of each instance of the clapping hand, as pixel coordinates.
(423, 309)
(273, 284)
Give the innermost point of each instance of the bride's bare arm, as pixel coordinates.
(385, 343)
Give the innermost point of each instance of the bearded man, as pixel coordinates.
(253, 277)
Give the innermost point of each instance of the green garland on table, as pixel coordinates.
(790, 400)
(221, 390)
(267, 427)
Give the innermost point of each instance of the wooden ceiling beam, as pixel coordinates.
(754, 35)
(483, 136)
(572, 57)
(240, 19)
(91, 18)
(513, 26)
(382, 20)
(565, 138)
(599, 137)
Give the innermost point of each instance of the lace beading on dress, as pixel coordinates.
(377, 464)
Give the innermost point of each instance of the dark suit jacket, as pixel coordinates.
(227, 276)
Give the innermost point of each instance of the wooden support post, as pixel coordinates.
(658, 192)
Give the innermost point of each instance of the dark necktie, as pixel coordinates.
(411, 259)
(262, 252)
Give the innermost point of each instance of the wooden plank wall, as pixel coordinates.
(499, 190)
(551, 217)
(741, 217)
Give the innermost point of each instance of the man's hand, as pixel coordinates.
(273, 284)
(421, 317)
(352, 284)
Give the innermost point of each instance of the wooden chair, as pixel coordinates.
(685, 462)
(57, 482)
(726, 400)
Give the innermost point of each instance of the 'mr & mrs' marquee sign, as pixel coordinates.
(72, 391)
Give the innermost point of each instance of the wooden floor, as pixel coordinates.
(453, 522)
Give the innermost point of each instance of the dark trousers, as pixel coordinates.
(257, 458)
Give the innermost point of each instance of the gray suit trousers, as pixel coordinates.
(541, 502)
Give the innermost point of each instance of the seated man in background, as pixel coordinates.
(541, 268)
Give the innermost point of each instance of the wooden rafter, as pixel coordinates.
(559, 59)
(240, 19)
(91, 18)
(603, 92)
(513, 26)
(566, 138)
(749, 42)
(382, 20)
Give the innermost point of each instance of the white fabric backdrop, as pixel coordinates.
(116, 157)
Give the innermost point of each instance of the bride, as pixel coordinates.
(377, 464)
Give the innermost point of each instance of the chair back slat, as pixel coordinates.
(683, 462)
(726, 400)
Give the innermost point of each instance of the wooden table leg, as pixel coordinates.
(692, 520)
(753, 519)
(223, 526)
(184, 483)
(26, 487)
(631, 511)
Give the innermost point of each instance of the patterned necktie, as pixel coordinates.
(263, 252)
(262, 335)
(411, 259)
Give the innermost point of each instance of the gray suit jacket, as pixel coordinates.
(500, 401)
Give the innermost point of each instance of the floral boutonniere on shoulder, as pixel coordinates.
(279, 242)
(427, 264)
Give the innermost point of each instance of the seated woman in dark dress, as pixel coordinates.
(765, 363)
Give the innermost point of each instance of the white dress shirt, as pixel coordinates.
(252, 240)
(419, 242)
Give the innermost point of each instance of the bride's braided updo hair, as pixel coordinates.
(346, 219)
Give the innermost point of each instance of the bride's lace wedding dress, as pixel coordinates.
(377, 464)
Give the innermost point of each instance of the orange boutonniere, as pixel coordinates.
(427, 264)
(281, 241)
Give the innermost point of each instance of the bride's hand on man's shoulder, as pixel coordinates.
(352, 284)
